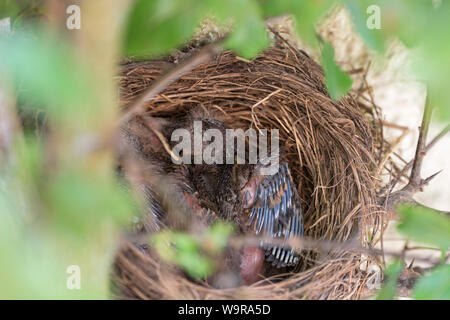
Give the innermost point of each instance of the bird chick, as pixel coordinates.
(259, 204)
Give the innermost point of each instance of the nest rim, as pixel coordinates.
(330, 143)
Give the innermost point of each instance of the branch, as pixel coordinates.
(415, 180)
(408, 165)
(415, 183)
(298, 244)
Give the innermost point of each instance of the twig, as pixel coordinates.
(376, 108)
(161, 138)
(415, 180)
(416, 183)
(407, 166)
(307, 243)
(390, 151)
(254, 117)
(297, 243)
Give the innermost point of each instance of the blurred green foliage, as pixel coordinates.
(373, 37)
(307, 14)
(52, 77)
(434, 286)
(389, 290)
(175, 19)
(60, 201)
(424, 225)
(59, 207)
(184, 250)
(338, 82)
(21, 11)
(39, 240)
(423, 26)
(193, 253)
(157, 27)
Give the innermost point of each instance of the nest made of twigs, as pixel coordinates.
(328, 146)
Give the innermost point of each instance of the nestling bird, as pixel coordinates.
(259, 204)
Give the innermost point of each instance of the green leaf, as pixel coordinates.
(338, 82)
(425, 36)
(19, 11)
(34, 257)
(80, 201)
(216, 237)
(188, 251)
(155, 27)
(47, 71)
(373, 37)
(435, 286)
(426, 225)
(159, 26)
(184, 250)
(185, 242)
(195, 264)
(249, 36)
(162, 242)
(9, 8)
(307, 14)
(393, 271)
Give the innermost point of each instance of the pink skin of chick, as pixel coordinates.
(252, 261)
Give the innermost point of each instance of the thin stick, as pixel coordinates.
(430, 145)
(388, 153)
(299, 244)
(415, 179)
(416, 183)
(254, 117)
(161, 138)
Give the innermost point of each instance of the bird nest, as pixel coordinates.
(328, 145)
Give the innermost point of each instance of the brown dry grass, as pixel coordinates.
(329, 148)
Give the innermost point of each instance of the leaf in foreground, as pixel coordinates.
(338, 82)
(388, 292)
(435, 286)
(426, 225)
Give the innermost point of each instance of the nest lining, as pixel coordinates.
(328, 146)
